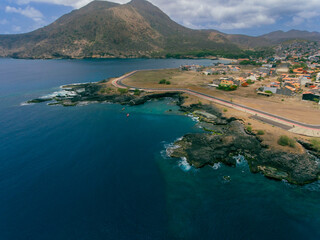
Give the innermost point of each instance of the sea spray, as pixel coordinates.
(216, 166)
(184, 165)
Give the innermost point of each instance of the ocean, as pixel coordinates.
(89, 172)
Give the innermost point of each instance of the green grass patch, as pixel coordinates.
(123, 90)
(137, 92)
(315, 142)
(211, 131)
(286, 141)
(260, 132)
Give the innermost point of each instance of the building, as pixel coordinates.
(311, 96)
(287, 91)
(271, 89)
(226, 82)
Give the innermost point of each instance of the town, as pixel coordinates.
(294, 71)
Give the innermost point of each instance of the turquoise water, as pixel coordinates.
(89, 172)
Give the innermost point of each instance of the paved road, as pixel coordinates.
(315, 129)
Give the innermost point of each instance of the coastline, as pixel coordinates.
(226, 136)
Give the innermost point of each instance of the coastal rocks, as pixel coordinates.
(203, 149)
(73, 95)
(222, 142)
(295, 168)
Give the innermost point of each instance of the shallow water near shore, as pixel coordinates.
(90, 172)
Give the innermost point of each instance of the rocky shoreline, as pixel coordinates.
(227, 138)
(72, 95)
(223, 140)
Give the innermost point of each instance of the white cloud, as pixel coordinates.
(234, 14)
(4, 22)
(224, 14)
(16, 29)
(71, 3)
(29, 12)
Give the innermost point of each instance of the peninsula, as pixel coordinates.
(276, 140)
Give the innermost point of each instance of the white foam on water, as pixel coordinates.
(216, 166)
(164, 154)
(65, 86)
(184, 165)
(194, 118)
(170, 147)
(26, 104)
(62, 93)
(85, 103)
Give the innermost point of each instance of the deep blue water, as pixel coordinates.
(89, 172)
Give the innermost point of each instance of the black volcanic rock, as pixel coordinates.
(223, 143)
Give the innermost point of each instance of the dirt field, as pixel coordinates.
(290, 107)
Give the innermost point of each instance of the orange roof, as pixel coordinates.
(290, 88)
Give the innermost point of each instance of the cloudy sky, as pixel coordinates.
(252, 17)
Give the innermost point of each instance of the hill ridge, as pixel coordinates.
(135, 29)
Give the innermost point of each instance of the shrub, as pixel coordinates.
(249, 81)
(162, 81)
(249, 128)
(267, 91)
(137, 92)
(286, 141)
(123, 90)
(227, 87)
(103, 90)
(260, 132)
(225, 110)
(233, 87)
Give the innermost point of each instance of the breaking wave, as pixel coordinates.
(184, 165)
(216, 166)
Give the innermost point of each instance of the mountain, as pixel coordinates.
(281, 36)
(104, 29)
(135, 29)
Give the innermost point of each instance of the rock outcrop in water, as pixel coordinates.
(224, 139)
(227, 138)
(73, 95)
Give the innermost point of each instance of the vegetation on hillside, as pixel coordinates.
(286, 141)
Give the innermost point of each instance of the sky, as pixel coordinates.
(250, 17)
